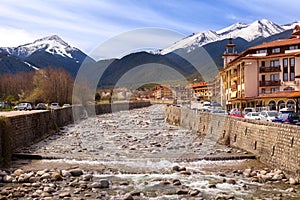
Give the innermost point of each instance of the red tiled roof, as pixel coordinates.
(274, 55)
(277, 43)
(281, 94)
(201, 84)
(295, 94)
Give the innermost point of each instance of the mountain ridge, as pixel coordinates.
(259, 28)
(52, 51)
(49, 51)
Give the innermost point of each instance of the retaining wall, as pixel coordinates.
(275, 144)
(22, 130)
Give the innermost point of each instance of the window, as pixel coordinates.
(293, 47)
(285, 74)
(292, 62)
(276, 50)
(261, 51)
(292, 69)
(274, 90)
(275, 63)
(263, 63)
(263, 90)
(274, 77)
(285, 62)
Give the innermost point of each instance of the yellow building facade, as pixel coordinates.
(263, 75)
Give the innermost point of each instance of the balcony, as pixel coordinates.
(269, 69)
(234, 75)
(234, 87)
(269, 83)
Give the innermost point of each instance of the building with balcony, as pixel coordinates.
(202, 91)
(263, 75)
(162, 92)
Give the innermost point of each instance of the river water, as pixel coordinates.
(143, 157)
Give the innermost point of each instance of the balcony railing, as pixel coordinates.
(270, 83)
(269, 69)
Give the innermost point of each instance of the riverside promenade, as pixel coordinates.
(135, 154)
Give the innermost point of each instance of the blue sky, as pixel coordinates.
(86, 24)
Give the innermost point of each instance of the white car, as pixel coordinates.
(252, 115)
(23, 106)
(54, 106)
(268, 115)
(66, 105)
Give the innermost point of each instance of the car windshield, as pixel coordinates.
(283, 115)
(272, 114)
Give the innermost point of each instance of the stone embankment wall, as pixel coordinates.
(275, 144)
(22, 130)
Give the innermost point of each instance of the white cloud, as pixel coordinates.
(11, 37)
(135, 40)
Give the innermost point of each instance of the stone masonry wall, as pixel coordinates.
(274, 144)
(34, 126)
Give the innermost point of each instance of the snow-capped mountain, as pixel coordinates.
(234, 27)
(193, 41)
(291, 25)
(260, 28)
(49, 51)
(51, 44)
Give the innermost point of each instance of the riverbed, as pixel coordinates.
(136, 155)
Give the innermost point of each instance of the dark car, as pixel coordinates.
(291, 118)
(41, 106)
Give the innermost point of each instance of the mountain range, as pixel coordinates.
(52, 51)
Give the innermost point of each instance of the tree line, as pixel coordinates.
(44, 85)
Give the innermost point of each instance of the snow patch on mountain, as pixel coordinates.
(51, 44)
(193, 41)
(32, 66)
(291, 25)
(260, 28)
(234, 27)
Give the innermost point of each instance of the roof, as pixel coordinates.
(277, 43)
(281, 94)
(200, 84)
(295, 94)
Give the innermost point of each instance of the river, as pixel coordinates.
(136, 155)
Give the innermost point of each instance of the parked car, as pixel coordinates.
(41, 106)
(23, 106)
(236, 114)
(2, 104)
(66, 105)
(54, 106)
(252, 115)
(291, 118)
(268, 115)
(219, 112)
(247, 110)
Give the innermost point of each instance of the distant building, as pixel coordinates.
(201, 91)
(162, 92)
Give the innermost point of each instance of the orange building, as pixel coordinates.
(263, 75)
(201, 91)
